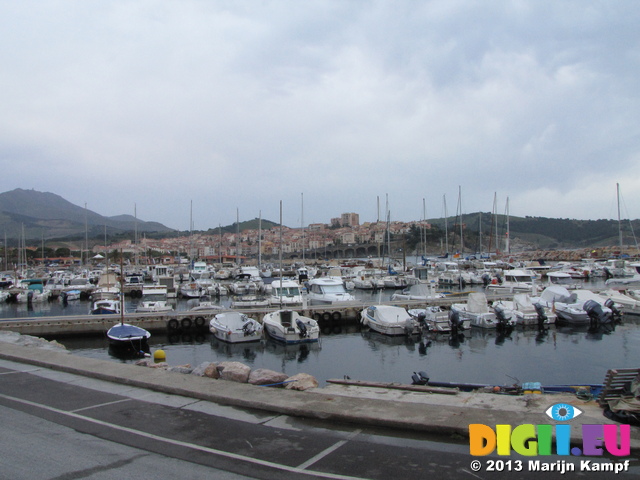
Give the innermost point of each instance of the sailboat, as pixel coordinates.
(126, 339)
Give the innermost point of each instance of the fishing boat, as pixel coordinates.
(106, 306)
(235, 327)
(434, 318)
(389, 320)
(289, 326)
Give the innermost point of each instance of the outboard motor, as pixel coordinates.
(595, 312)
(302, 327)
(607, 273)
(486, 279)
(248, 329)
(615, 311)
(455, 322)
(503, 320)
(420, 378)
(422, 317)
(542, 315)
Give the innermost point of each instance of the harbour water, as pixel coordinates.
(561, 355)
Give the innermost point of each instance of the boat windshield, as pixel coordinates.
(287, 291)
(333, 289)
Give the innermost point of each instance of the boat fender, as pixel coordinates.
(337, 316)
(199, 322)
(326, 316)
(173, 324)
(186, 323)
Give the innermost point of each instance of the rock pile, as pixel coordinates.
(239, 372)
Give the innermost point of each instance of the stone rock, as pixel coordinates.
(234, 371)
(200, 369)
(212, 371)
(181, 369)
(145, 362)
(160, 365)
(30, 341)
(301, 381)
(264, 376)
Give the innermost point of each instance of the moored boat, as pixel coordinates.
(288, 326)
(235, 327)
(389, 320)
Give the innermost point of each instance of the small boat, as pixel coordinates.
(389, 320)
(70, 295)
(477, 311)
(578, 307)
(525, 312)
(422, 378)
(289, 326)
(128, 338)
(434, 318)
(105, 306)
(235, 327)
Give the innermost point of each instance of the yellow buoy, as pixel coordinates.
(159, 356)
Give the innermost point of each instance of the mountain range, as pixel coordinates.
(35, 215)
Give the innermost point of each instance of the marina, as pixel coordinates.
(557, 354)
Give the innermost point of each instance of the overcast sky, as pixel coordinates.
(237, 105)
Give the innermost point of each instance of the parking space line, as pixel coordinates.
(193, 446)
(328, 451)
(100, 405)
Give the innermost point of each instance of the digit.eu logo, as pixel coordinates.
(531, 440)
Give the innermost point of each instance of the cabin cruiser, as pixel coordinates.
(154, 299)
(285, 293)
(288, 326)
(327, 291)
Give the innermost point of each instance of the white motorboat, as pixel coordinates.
(389, 320)
(434, 318)
(477, 311)
(628, 304)
(154, 299)
(289, 326)
(285, 293)
(515, 281)
(570, 306)
(235, 327)
(419, 291)
(525, 312)
(328, 291)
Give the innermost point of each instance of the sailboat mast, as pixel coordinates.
(302, 222)
(446, 227)
(460, 217)
(619, 222)
(507, 246)
(260, 239)
(280, 254)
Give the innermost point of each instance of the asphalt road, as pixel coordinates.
(61, 426)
